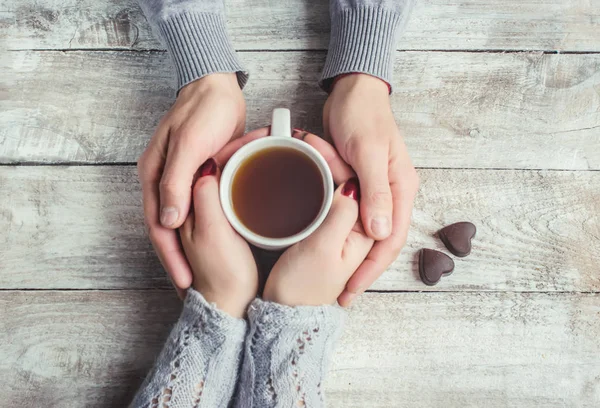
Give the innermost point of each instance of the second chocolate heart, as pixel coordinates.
(433, 265)
(457, 237)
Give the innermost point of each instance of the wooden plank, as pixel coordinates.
(92, 349)
(304, 24)
(82, 228)
(465, 110)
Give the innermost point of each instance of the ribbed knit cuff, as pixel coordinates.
(362, 40)
(199, 45)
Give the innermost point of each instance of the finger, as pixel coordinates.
(384, 252)
(230, 148)
(339, 169)
(188, 226)
(371, 165)
(208, 213)
(357, 247)
(149, 170)
(181, 293)
(164, 240)
(369, 271)
(184, 157)
(340, 220)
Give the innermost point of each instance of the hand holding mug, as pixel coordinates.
(358, 117)
(224, 270)
(314, 272)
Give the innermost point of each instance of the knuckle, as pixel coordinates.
(356, 148)
(352, 148)
(182, 135)
(169, 187)
(154, 234)
(355, 241)
(379, 197)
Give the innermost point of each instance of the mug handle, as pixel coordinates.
(281, 123)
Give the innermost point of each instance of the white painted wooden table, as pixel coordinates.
(500, 104)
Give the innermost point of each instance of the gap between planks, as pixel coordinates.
(109, 164)
(321, 50)
(464, 110)
(379, 291)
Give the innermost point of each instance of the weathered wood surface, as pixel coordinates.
(304, 24)
(82, 227)
(92, 349)
(458, 110)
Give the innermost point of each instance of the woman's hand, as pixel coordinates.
(224, 270)
(359, 119)
(315, 271)
(207, 113)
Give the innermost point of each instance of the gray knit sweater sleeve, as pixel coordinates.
(199, 364)
(363, 37)
(286, 354)
(194, 34)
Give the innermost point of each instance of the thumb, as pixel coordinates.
(371, 166)
(183, 159)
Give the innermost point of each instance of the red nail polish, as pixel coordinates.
(352, 189)
(208, 168)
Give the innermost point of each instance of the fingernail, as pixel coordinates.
(299, 133)
(380, 226)
(352, 189)
(208, 168)
(168, 216)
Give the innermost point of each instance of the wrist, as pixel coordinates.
(293, 298)
(226, 304)
(222, 81)
(197, 308)
(354, 80)
(233, 301)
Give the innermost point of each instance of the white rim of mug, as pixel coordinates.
(241, 155)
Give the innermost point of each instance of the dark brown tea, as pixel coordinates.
(277, 192)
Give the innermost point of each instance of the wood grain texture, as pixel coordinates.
(82, 228)
(92, 349)
(304, 24)
(457, 110)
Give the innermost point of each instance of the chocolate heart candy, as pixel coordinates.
(433, 265)
(457, 237)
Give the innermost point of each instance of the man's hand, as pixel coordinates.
(206, 115)
(358, 118)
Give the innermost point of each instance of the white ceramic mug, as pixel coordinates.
(281, 136)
